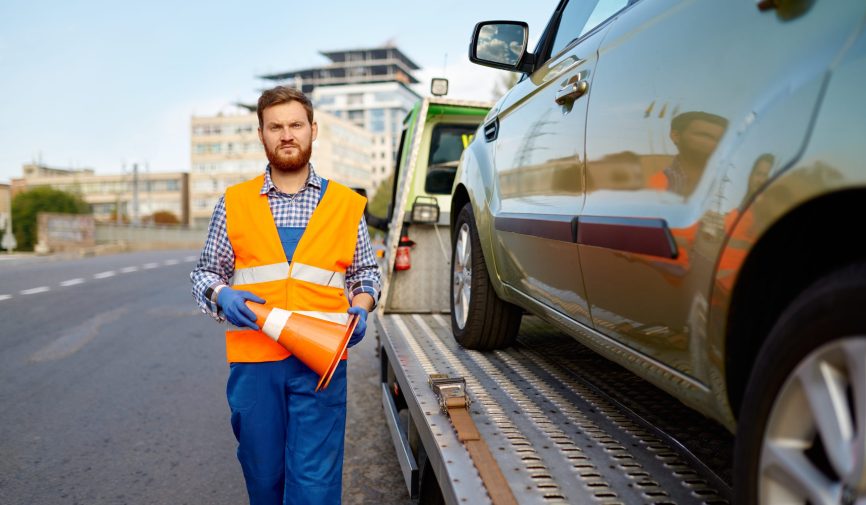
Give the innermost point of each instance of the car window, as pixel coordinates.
(579, 18)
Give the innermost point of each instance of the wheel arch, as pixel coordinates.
(795, 252)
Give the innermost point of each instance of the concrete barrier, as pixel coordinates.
(127, 237)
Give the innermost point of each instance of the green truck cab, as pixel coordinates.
(435, 133)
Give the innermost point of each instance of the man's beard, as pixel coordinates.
(285, 162)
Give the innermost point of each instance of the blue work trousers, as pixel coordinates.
(290, 438)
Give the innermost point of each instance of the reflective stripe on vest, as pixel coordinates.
(264, 273)
(316, 275)
(282, 271)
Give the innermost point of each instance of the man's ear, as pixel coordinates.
(675, 137)
(315, 128)
(261, 137)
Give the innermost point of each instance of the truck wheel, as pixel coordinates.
(802, 429)
(479, 318)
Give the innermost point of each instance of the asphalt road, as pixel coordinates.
(112, 390)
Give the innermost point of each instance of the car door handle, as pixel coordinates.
(571, 92)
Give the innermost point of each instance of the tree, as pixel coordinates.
(164, 217)
(26, 205)
(378, 205)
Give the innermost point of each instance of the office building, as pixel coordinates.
(134, 195)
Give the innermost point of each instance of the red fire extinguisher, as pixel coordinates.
(402, 260)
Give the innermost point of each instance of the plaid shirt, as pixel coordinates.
(217, 262)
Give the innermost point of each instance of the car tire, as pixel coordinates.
(801, 434)
(479, 318)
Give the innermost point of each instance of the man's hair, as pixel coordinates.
(682, 121)
(281, 95)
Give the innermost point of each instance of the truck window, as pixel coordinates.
(447, 143)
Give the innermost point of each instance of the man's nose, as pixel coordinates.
(286, 135)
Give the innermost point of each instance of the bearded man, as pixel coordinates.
(293, 240)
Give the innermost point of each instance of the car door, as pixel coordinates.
(539, 160)
(680, 89)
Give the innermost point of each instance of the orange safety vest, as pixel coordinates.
(315, 281)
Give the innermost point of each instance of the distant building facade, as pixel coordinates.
(368, 87)
(113, 197)
(5, 198)
(225, 150)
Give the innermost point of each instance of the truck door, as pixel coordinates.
(540, 162)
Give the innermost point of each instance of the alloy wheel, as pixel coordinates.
(814, 448)
(462, 275)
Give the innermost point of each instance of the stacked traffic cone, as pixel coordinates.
(319, 344)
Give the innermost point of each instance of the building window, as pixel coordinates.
(357, 117)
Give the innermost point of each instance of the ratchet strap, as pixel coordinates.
(455, 402)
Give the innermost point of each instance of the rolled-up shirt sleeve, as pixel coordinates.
(363, 274)
(215, 265)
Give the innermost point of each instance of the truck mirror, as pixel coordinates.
(425, 210)
(440, 180)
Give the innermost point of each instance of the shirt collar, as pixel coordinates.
(313, 181)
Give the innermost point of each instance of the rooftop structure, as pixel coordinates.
(354, 66)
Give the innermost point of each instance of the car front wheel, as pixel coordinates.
(479, 318)
(802, 427)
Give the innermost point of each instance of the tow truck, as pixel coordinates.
(527, 424)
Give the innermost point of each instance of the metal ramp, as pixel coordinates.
(556, 438)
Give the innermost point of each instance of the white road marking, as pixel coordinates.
(190, 258)
(126, 270)
(148, 266)
(103, 275)
(5, 297)
(170, 262)
(33, 291)
(72, 282)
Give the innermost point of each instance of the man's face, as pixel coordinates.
(287, 136)
(698, 139)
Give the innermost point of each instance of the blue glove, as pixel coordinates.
(231, 301)
(361, 327)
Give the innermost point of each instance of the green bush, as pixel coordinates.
(378, 205)
(26, 205)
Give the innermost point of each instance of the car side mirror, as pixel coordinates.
(440, 180)
(501, 44)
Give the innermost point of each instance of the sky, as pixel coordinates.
(104, 84)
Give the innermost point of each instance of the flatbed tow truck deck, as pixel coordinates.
(555, 436)
(545, 423)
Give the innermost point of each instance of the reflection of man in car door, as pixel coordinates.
(695, 135)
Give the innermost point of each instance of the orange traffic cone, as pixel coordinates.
(318, 343)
